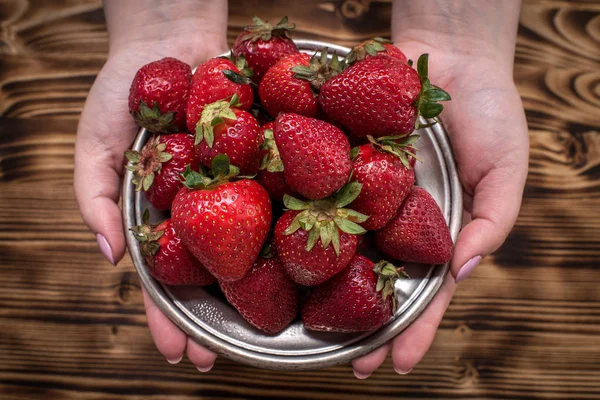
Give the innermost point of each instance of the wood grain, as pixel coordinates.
(525, 326)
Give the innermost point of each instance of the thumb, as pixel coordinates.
(495, 207)
(97, 189)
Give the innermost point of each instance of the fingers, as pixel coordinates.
(200, 356)
(495, 207)
(168, 338)
(364, 366)
(411, 345)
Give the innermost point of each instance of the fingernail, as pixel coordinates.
(467, 269)
(400, 372)
(105, 248)
(175, 361)
(205, 369)
(361, 376)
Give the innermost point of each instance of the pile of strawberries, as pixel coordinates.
(252, 156)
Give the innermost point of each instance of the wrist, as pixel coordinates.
(191, 31)
(458, 30)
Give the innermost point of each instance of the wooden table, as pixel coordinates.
(526, 325)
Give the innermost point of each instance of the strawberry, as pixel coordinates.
(385, 173)
(280, 91)
(217, 79)
(223, 223)
(373, 47)
(266, 297)
(271, 175)
(158, 95)
(263, 44)
(299, 230)
(418, 233)
(359, 299)
(225, 129)
(157, 168)
(381, 96)
(293, 83)
(315, 155)
(168, 260)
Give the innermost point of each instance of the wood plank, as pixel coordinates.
(524, 326)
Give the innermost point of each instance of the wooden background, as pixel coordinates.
(526, 325)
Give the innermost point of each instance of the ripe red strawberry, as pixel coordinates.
(385, 173)
(271, 175)
(266, 297)
(225, 129)
(299, 231)
(211, 82)
(359, 299)
(168, 260)
(158, 95)
(373, 47)
(293, 83)
(280, 91)
(418, 233)
(223, 223)
(315, 155)
(263, 44)
(158, 167)
(381, 96)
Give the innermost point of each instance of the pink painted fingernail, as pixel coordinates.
(205, 369)
(467, 269)
(105, 248)
(361, 376)
(400, 372)
(175, 361)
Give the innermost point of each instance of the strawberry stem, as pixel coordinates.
(264, 30)
(387, 275)
(324, 219)
(221, 172)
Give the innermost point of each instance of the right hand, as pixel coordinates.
(106, 130)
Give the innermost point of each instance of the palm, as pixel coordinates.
(488, 132)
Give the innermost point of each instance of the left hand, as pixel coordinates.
(486, 124)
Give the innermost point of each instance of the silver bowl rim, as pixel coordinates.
(303, 362)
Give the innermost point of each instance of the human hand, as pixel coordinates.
(488, 131)
(139, 33)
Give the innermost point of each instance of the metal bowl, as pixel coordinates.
(204, 314)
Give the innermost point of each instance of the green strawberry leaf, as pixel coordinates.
(292, 203)
(313, 236)
(164, 157)
(234, 102)
(146, 217)
(237, 78)
(335, 240)
(348, 193)
(422, 68)
(147, 181)
(438, 94)
(209, 134)
(133, 156)
(327, 233)
(293, 227)
(355, 216)
(220, 165)
(349, 227)
(430, 110)
(199, 133)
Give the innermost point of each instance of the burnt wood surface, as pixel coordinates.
(525, 325)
